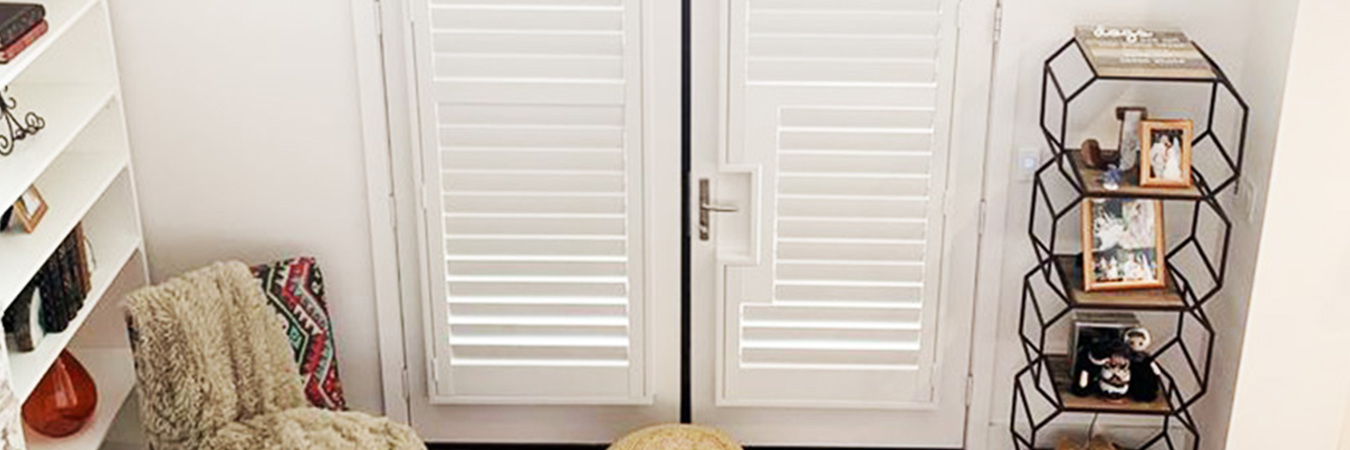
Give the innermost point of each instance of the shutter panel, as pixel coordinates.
(839, 102)
(533, 169)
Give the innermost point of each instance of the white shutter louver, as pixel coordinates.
(536, 182)
(840, 105)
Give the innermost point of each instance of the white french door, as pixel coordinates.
(832, 292)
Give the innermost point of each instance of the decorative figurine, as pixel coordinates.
(1111, 179)
(1113, 362)
(1144, 372)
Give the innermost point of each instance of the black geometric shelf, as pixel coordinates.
(1196, 261)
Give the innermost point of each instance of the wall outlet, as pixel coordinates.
(1028, 160)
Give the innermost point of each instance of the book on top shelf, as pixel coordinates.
(16, 19)
(12, 51)
(1138, 52)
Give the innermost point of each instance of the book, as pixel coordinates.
(12, 51)
(1139, 52)
(17, 18)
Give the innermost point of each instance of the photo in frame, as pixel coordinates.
(29, 209)
(1123, 244)
(1166, 161)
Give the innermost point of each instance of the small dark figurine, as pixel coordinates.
(1113, 368)
(1144, 373)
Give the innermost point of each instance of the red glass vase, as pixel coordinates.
(63, 401)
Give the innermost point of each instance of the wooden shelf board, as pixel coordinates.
(67, 108)
(115, 378)
(1071, 276)
(1091, 180)
(1060, 373)
(61, 16)
(77, 182)
(28, 367)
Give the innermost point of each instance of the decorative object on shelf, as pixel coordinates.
(64, 281)
(1101, 353)
(9, 52)
(29, 209)
(1138, 52)
(1122, 244)
(1168, 162)
(1130, 120)
(17, 20)
(294, 289)
(22, 328)
(18, 130)
(63, 401)
(1092, 154)
(1144, 373)
(1111, 178)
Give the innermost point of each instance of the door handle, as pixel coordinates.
(706, 208)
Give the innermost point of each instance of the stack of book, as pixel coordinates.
(54, 296)
(20, 25)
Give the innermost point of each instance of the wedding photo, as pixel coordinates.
(1168, 158)
(1123, 245)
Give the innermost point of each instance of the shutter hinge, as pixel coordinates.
(998, 21)
(407, 396)
(970, 388)
(983, 208)
(379, 18)
(436, 370)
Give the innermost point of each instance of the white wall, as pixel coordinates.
(1289, 392)
(246, 138)
(1248, 38)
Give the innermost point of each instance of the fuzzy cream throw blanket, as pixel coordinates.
(214, 371)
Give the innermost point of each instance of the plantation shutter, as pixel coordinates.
(842, 104)
(532, 165)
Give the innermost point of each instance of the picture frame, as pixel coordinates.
(1123, 244)
(30, 208)
(1131, 118)
(1165, 160)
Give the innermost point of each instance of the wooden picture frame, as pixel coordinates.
(30, 208)
(1165, 155)
(1118, 256)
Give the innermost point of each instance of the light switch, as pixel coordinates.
(1028, 160)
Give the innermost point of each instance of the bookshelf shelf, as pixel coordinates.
(28, 367)
(62, 16)
(81, 164)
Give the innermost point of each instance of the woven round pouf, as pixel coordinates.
(676, 437)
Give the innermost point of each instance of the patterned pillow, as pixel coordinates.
(294, 288)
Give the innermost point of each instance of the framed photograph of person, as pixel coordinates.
(1123, 244)
(1167, 158)
(29, 209)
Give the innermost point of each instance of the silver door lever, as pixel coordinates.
(706, 208)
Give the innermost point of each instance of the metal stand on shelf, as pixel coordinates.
(1053, 289)
(17, 130)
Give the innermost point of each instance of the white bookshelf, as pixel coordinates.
(81, 162)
